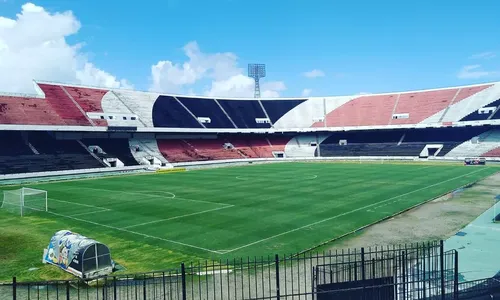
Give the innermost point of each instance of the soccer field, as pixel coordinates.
(240, 211)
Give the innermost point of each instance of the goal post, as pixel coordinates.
(24, 201)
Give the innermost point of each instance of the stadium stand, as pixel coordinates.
(304, 145)
(245, 113)
(484, 113)
(122, 110)
(13, 143)
(40, 152)
(169, 112)
(115, 148)
(421, 105)
(58, 104)
(178, 151)
(275, 109)
(492, 153)
(141, 104)
(476, 97)
(64, 106)
(88, 99)
(27, 111)
(146, 151)
(259, 147)
(214, 149)
(222, 148)
(197, 150)
(247, 147)
(362, 111)
(398, 142)
(207, 108)
(481, 145)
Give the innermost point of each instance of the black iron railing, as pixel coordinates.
(413, 271)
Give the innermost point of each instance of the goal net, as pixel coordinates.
(24, 201)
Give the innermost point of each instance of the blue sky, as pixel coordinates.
(358, 46)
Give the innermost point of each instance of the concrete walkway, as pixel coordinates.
(478, 246)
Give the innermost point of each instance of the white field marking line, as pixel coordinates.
(75, 203)
(152, 195)
(134, 232)
(178, 217)
(274, 177)
(125, 192)
(352, 211)
(91, 212)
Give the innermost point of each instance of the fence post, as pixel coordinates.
(455, 286)
(363, 270)
(144, 291)
(67, 290)
(441, 263)
(403, 270)
(423, 272)
(14, 288)
(183, 280)
(114, 288)
(277, 264)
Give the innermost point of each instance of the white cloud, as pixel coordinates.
(314, 73)
(226, 78)
(34, 46)
(243, 86)
(475, 72)
(306, 92)
(483, 55)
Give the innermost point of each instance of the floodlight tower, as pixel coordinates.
(257, 71)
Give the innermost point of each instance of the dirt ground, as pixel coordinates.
(436, 220)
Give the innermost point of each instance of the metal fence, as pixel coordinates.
(415, 271)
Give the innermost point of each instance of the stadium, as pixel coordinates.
(249, 198)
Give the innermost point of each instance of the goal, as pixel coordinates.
(24, 201)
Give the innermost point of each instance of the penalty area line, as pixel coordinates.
(134, 232)
(350, 212)
(76, 203)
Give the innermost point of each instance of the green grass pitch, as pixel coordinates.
(153, 222)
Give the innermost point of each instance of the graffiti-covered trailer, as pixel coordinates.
(78, 255)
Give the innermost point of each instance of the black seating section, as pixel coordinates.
(114, 148)
(168, 112)
(277, 108)
(366, 136)
(46, 162)
(207, 108)
(54, 155)
(372, 149)
(444, 134)
(244, 112)
(13, 144)
(386, 142)
(45, 143)
(476, 116)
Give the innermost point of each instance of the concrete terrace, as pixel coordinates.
(478, 246)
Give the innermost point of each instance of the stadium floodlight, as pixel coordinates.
(257, 71)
